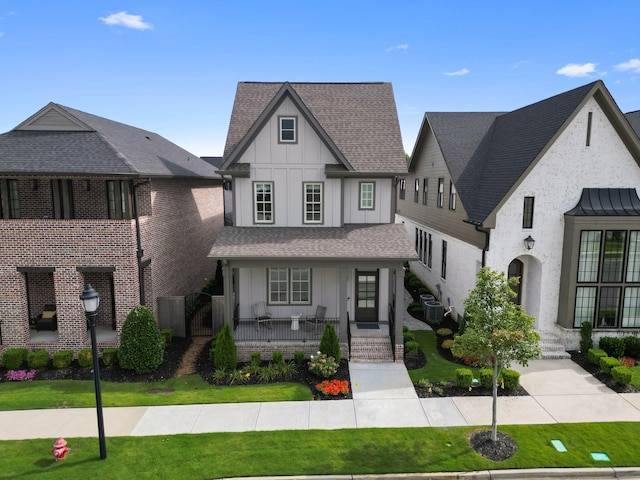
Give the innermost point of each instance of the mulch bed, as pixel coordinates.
(583, 360)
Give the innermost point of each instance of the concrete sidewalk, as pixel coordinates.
(383, 397)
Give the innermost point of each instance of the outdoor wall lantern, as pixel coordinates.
(529, 242)
(90, 301)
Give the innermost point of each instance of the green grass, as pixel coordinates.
(191, 389)
(338, 452)
(437, 368)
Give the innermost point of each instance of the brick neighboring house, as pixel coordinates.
(563, 172)
(88, 200)
(313, 168)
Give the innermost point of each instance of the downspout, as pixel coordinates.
(487, 233)
(139, 250)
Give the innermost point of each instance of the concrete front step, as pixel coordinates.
(367, 349)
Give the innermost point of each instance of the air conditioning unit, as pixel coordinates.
(434, 311)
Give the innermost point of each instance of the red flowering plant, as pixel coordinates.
(628, 362)
(333, 387)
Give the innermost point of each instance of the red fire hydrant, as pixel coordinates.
(60, 449)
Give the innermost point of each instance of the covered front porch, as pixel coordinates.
(356, 272)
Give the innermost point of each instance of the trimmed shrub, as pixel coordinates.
(411, 347)
(464, 377)
(632, 347)
(38, 359)
(167, 336)
(225, 353)
(448, 344)
(85, 357)
(622, 375)
(444, 332)
(510, 378)
(298, 358)
(13, 358)
(405, 329)
(141, 345)
(485, 377)
(256, 359)
(329, 343)
(415, 309)
(110, 356)
(614, 346)
(607, 363)
(409, 336)
(63, 358)
(595, 354)
(277, 357)
(586, 342)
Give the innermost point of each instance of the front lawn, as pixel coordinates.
(314, 452)
(27, 395)
(437, 369)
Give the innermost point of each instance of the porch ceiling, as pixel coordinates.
(384, 243)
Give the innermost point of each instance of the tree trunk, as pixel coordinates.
(494, 419)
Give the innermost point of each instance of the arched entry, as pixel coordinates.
(515, 270)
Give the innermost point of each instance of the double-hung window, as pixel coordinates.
(367, 195)
(288, 129)
(443, 267)
(403, 188)
(289, 286)
(9, 202)
(313, 203)
(416, 190)
(119, 199)
(425, 190)
(440, 202)
(452, 196)
(263, 202)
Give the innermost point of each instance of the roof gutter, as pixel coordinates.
(487, 234)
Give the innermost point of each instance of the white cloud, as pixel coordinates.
(404, 47)
(632, 65)
(124, 19)
(575, 70)
(1, 34)
(462, 71)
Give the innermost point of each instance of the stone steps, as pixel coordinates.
(371, 349)
(552, 348)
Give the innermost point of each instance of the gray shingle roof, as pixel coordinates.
(351, 242)
(359, 119)
(634, 120)
(487, 152)
(106, 147)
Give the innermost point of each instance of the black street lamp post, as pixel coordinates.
(90, 300)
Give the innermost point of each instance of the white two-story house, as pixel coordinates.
(313, 168)
(546, 193)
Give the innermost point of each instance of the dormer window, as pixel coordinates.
(288, 129)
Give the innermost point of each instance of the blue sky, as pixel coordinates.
(172, 67)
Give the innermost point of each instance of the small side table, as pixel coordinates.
(295, 321)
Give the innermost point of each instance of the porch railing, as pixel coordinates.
(392, 328)
(280, 330)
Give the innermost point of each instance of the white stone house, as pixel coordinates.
(313, 168)
(562, 172)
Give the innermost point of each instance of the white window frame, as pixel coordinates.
(257, 212)
(367, 195)
(311, 215)
(289, 286)
(282, 130)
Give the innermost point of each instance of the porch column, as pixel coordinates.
(398, 274)
(342, 304)
(228, 293)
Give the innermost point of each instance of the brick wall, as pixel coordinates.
(63, 245)
(187, 216)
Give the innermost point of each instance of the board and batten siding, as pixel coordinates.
(383, 199)
(288, 166)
